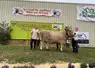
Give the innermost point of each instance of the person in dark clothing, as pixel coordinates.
(33, 41)
(75, 44)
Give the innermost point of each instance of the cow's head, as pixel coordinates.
(69, 32)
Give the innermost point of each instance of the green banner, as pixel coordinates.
(22, 29)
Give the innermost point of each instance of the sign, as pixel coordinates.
(22, 29)
(86, 13)
(36, 12)
(83, 38)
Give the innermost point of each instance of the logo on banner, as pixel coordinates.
(88, 12)
(56, 13)
(82, 36)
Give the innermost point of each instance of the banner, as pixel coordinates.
(36, 12)
(86, 13)
(83, 38)
(22, 29)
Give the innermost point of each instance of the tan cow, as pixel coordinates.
(48, 37)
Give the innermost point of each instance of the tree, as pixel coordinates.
(4, 33)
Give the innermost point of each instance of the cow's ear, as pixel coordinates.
(66, 27)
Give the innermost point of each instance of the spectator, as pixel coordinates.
(53, 66)
(5, 66)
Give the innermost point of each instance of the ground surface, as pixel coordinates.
(23, 54)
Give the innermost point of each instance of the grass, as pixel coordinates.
(23, 54)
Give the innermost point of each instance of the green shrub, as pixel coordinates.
(83, 65)
(4, 33)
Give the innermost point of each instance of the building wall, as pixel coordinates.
(68, 15)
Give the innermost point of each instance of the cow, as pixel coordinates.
(61, 37)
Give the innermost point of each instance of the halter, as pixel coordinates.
(67, 34)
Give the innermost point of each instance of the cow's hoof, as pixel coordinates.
(48, 49)
(61, 50)
(41, 49)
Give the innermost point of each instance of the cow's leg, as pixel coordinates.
(41, 45)
(57, 45)
(47, 46)
(61, 47)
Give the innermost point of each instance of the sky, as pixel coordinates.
(68, 1)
